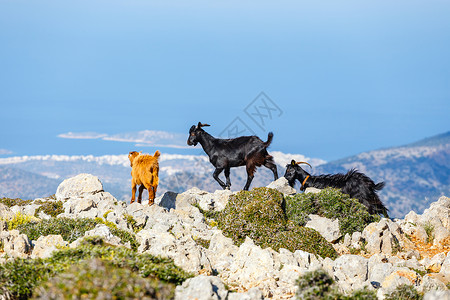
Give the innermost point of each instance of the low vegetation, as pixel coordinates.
(330, 203)
(260, 215)
(73, 271)
(318, 285)
(271, 220)
(10, 202)
(72, 229)
(51, 208)
(404, 292)
(48, 205)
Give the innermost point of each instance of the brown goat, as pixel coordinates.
(144, 172)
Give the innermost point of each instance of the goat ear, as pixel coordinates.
(204, 125)
(293, 162)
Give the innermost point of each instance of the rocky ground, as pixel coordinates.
(387, 254)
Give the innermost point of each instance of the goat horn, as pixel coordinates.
(303, 162)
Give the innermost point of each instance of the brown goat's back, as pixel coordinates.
(145, 169)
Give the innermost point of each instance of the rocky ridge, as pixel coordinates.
(386, 254)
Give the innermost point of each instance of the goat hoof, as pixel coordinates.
(227, 188)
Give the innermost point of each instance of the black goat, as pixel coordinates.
(249, 151)
(355, 184)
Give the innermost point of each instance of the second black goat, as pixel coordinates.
(249, 151)
(355, 184)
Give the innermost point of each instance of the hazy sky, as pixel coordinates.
(329, 78)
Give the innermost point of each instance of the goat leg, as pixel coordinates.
(227, 176)
(273, 167)
(216, 177)
(251, 168)
(141, 189)
(249, 181)
(133, 192)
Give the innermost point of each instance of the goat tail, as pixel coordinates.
(379, 186)
(269, 140)
(157, 154)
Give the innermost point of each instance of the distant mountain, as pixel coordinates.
(177, 173)
(16, 183)
(415, 174)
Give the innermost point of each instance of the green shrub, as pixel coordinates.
(51, 208)
(259, 214)
(19, 277)
(302, 238)
(314, 285)
(330, 203)
(72, 229)
(69, 229)
(318, 285)
(202, 242)
(20, 220)
(88, 281)
(429, 229)
(404, 292)
(125, 237)
(16, 201)
(132, 222)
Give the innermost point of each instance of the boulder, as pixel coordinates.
(282, 185)
(399, 277)
(45, 245)
(252, 294)
(221, 251)
(78, 186)
(437, 295)
(15, 244)
(441, 236)
(385, 237)
(172, 200)
(432, 282)
(251, 265)
(185, 252)
(312, 190)
(445, 267)
(201, 288)
(438, 214)
(327, 228)
(350, 271)
(379, 272)
(137, 211)
(213, 201)
(6, 213)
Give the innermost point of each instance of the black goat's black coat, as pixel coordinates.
(249, 151)
(355, 184)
